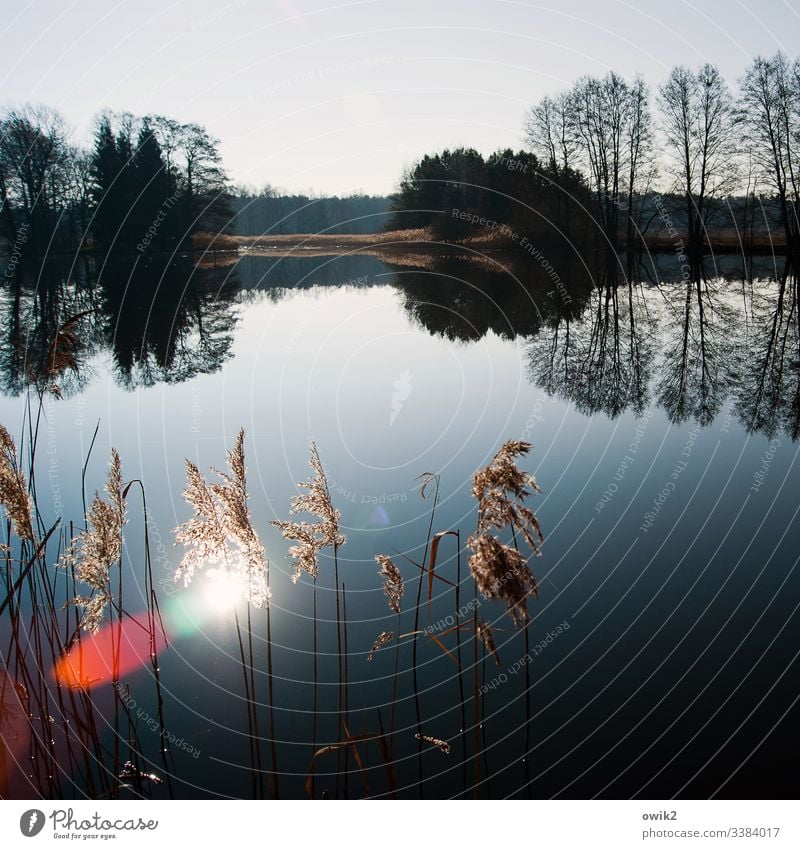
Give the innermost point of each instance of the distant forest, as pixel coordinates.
(270, 212)
(608, 163)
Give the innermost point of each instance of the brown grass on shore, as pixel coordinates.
(422, 243)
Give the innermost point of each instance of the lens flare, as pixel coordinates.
(222, 590)
(91, 661)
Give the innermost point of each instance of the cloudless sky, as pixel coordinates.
(336, 96)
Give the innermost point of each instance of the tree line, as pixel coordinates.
(270, 211)
(145, 183)
(598, 157)
(599, 151)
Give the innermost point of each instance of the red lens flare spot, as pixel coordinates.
(91, 660)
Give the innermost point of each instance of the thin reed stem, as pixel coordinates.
(274, 774)
(316, 684)
(417, 710)
(345, 694)
(461, 696)
(476, 709)
(526, 744)
(338, 665)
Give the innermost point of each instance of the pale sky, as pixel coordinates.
(337, 97)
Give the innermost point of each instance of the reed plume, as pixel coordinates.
(392, 581)
(99, 547)
(442, 745)
(384, 638)
(487, 638)
(500, 571)
(221, 530)
(311, 537)
(13, 491)
(62, 355)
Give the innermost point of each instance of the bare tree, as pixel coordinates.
(601, 112)
(770, 116)
(550, 134)
(33, 152)
(697, 119)
(641, 161)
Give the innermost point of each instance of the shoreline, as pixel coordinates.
(399, 244)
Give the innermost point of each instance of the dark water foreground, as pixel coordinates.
(663, 411)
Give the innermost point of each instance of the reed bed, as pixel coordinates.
(72, 741)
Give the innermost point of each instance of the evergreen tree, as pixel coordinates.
(104, 171)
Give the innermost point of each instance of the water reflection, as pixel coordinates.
(700, 342)
(601, 360)
(607, 341)
(163, 320)
(768, 397)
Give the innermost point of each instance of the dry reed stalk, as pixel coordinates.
(221, 532)
(442, 745)
(499, 570)
(476, 707)
(273, 744)
(383, 639)
(487, 638)
(14, 495)
(393, 586)
(310, 539)
(393, 589)
(97, 549)
(461, 693)
(426, 479)
(155, 624)
(526, 744)
(346, 693)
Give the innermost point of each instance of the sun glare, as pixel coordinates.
(222, 590)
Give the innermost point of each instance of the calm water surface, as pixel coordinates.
(664, 420)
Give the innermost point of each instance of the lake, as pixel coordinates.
(663, 411)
